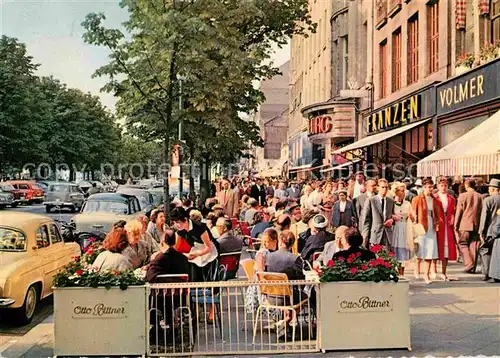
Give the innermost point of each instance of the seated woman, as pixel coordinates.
(138, 252)
(352, 245)
(113, 259)
(283, 261)
(268, 244)
(332, 247)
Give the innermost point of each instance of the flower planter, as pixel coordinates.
(358, 315)
(461, 69)
(97, 321)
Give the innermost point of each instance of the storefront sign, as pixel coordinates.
(99, 310)
(475, 87)
(339, 123)
(320, 125)
(401, 113)
(365, 304)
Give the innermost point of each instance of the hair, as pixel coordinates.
(133, 225)
(442, 179)
(119, 224)
(195, 215)
(470, 183)
(396, 186)
(169, 237)
(271, 234)
(116, 240)
(382, 180)
(154, 215)
(186, 202)
(258, 217)
(228, 225)
(244, 198)
(284, 221)
(212, 218)
(354, 238)
(427, 181)
(254, 203)
(280, 205)
(178, 214)
(308, 215)
(287, 238)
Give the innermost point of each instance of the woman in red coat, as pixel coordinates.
(447, 249)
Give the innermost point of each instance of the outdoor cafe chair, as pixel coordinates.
(231, 263)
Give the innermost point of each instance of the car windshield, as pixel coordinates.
(116, 207)
(12, 240)
(59, 188)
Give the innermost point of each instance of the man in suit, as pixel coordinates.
(360, 201)
(294, 191)
(490, 208)
(258, 192)
(281, 192)
(467, 219)
(228, 198)
(227, 241)
(377, 217)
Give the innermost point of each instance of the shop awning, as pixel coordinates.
(377, 138)
(475, 153)
(300, 168)
(341, 166)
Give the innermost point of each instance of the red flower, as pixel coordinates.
(376, 248)
(354, 270)
(92, 239)
(115, 272)
(79, 272)
(392, 254)
(330, 263)
(387, 264)
(350, 260)
(364, 267)
(372, 263)
(340, 258)
(76, 258)
(90, 252)
(358, 254)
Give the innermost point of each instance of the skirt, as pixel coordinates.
(427, 244)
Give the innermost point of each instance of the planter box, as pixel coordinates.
(364, 315)
(461, 69)
(96, 321)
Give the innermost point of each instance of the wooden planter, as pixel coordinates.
(96, 321)
(364, 315)
(461, 69)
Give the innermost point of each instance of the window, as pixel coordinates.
(55, 236)
(319, 36)
(413, 49)
(325, 30)
(345, 61)
(325, 86)
(433, 33)
(495, 21)
(12, 240)
(396, 60)
(383, 69)
(42, 237)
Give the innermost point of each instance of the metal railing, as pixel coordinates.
(232, 317)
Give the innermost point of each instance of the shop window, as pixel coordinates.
(383, 69)
(495, 21)
(430, 137)
(345, 62)
(433, 35)
(413, 49)
(408, 141)
(414, 140)
(396, 60)
(421, 139)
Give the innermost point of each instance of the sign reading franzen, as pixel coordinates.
(364, 304)
(401, 113)
(472, 88)
(100, 310)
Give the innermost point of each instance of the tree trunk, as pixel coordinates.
(71, 173)
(192, 194)
(205, 181)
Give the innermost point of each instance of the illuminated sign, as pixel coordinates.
(320, 125)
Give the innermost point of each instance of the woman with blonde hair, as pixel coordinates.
(138, 252)
(402, 231)
(305, 200)
(195, 215)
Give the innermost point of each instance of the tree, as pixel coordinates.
(219, 47)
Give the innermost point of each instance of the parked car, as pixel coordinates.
(63, 195)
(145, 197)
(6, 199)
(32, 251)
(9, 189)
(29, 191)
(101, 211)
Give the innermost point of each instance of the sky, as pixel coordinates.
(52, 32)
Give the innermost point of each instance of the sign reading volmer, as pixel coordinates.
(472, 88)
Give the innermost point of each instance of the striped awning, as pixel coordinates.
(475, 153)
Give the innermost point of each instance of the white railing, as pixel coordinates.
(215, 318)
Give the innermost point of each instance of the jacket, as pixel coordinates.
(468, 215)
(419, 205)
(283, 261)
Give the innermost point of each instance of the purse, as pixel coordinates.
(418, 230)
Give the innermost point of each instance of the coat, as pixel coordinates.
(373, 230)
(419, 205)
(488, 214)
(350, 215)
(229, 200)
(284, 261)
(359, 204)
(446, 229)
(468, 215)
(258, 194)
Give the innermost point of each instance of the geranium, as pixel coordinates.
(384, 267)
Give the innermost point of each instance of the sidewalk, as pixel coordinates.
(448, 319)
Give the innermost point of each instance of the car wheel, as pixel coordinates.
(29, 202)
(48, 208)
(2, 206)
(14, 205)
(24, 314)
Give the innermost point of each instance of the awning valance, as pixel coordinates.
(475, 153)
(300, 168)
(377, 138)
(341, 166)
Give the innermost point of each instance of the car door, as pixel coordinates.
(61, 253)
(47, 255)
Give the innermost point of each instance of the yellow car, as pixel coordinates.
(32, 251)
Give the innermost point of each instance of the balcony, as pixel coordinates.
(394, 7)
(381, 13)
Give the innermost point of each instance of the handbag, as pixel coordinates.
(418, 230)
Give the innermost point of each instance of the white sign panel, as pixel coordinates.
(355, 303)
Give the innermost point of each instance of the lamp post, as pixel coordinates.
(181, 136)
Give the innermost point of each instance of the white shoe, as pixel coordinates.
(416, 275)
(433, 276)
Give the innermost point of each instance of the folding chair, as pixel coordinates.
(277, 292)
(247, 265)
(231, 263)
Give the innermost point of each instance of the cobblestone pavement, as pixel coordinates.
(448, 319)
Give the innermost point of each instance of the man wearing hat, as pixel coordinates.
(490, 207)
(317, 241)
(293, 209)
(294, 191)
(249, 215)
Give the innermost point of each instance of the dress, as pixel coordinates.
(447, 248)
(400, 231)
(427, 244)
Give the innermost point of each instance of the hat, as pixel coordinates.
(292, 205)
(495, 183)
(320, 222)
(418, 182)
(252, 202)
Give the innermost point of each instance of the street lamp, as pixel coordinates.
(181, 135)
